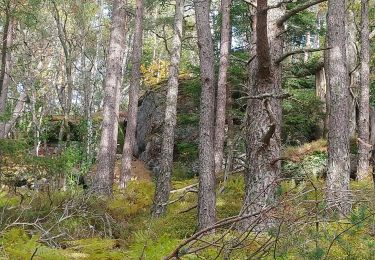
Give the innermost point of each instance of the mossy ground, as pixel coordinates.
(79, 225)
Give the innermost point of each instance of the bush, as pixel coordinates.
(301, 119)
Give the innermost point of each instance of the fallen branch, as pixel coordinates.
(224, 222)
(185, 188)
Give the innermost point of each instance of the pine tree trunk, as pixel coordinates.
(263, 142)
(230, 139)
(353, 70)
(337, 183)
(222, 82)
(164, 176)
(131, 126)
(364, 106)
(107, 151)
(5, 70)
(206, 193)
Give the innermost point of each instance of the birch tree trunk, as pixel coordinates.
(337, 183)
(364, 105)
(206, 193)
(131, 127)
(222, 84)
(164, 176)
(6, 66)
(103, 179)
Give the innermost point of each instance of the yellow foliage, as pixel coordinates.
(155, 73)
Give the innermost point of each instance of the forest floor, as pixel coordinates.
(78, 225)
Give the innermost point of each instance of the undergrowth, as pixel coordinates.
(77, 224)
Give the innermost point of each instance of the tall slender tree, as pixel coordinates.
(337, 183)
(206, 193)
(164, 176)
(67, 91)
(135, 82)
(6, 66)
(222, 84)
(103, 180)
(364, 107)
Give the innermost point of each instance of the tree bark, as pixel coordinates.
(222, 84)
(263, 142)
(107, 150)
(364, 105)
(206, 193)
(321, 93)
(352, 55)
(6, 127)
(164, 177)
(131, 126)
(337, 183)
(6, 65)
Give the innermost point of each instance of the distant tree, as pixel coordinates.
(164, 175)
(6, 43)
(127, 154)
(363, 124)
(221, 94)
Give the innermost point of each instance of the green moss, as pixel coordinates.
(188, 119)
(97, 248)
(136, 199)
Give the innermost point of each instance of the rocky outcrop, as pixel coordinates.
(151, 109)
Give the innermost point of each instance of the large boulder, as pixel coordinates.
(151, 111)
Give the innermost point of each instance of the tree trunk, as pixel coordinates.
(6, 66)
(230, 139)
(206, 193)
(131, 126)
(264, 115)
(6, 127)
(222, 84)
(321, 93)
(353, 70)
(364, 106)
(107, 150)
(164, 176)
(337, 183)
